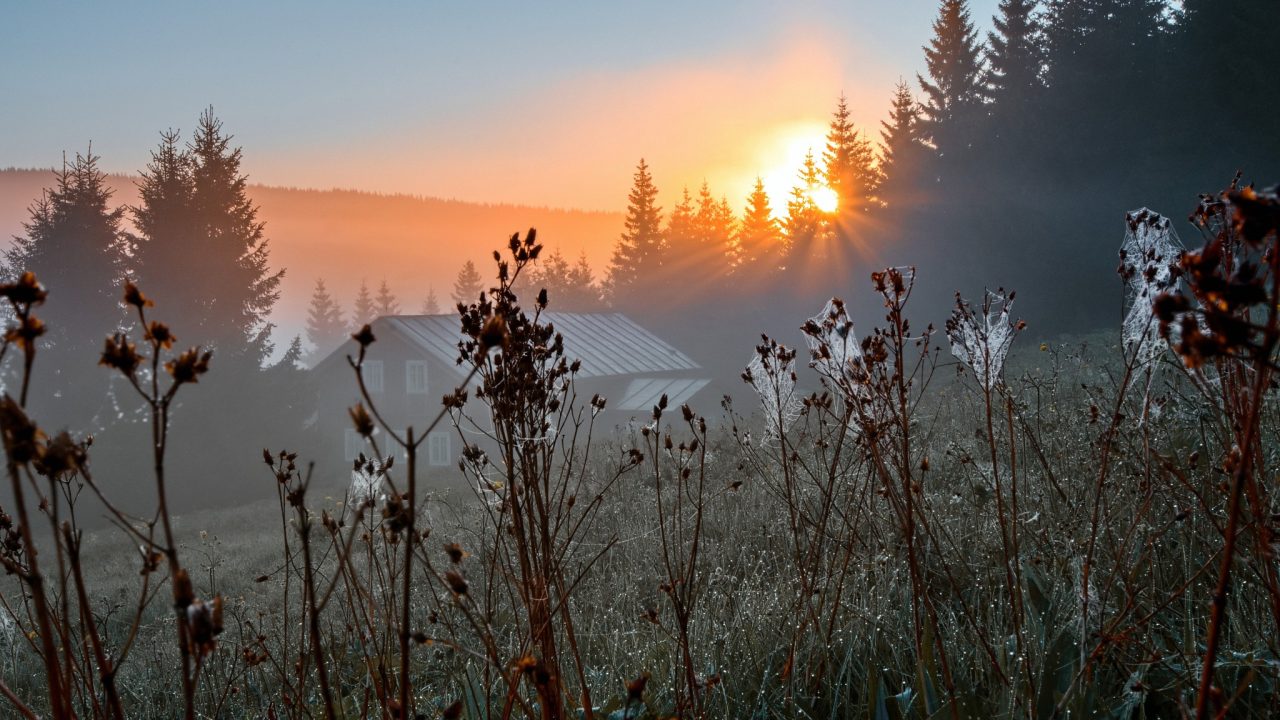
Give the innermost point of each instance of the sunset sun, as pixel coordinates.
(783, 156)
(824, 198)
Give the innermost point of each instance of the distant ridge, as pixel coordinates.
(344, 235)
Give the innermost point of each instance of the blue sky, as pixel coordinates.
(543, 103)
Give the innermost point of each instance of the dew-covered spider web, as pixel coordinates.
(832, 343)
(1150, 253)
(772, 372)
(980, 339)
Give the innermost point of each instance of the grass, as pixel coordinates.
(1083, 536)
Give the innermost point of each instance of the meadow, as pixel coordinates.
(951, 522)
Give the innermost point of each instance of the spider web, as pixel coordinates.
(832, 343)
(772, 374)
(1148, 256)
(981, 340)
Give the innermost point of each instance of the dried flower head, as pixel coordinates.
(189, 366)
(120, 353)
(981, 339)
(133, 296)
(25, 291)
(771, 372)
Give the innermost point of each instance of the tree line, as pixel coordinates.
(194, 243)
(1013, 158)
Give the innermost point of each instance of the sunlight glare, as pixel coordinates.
(782, 157)
(824, 198)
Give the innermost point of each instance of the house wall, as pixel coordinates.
(439, 456)
(338, 391)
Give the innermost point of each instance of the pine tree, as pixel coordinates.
(163, 260)
(570, 288)
(804, 223)
(850, 163)
(431, 306)
(639, 263)
(709, 255)
(953, 91)
(1228, 104)
(725, 229)
(902, 149)
(469, 285)
(325, 327)
(682, 235)
(74, 245)
(581, 293)
(1015, 55)
(229, 259)
(713, 224)
(1082, 123)
(364, 311)
(386, 303)
(551, 273)
(759, 237)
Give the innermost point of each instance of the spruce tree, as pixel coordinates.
(386, 303)
(229, 262)
(1225, 59)
(164, 256)
(639, 263)
(74, 245)
(682, 235)
(850, 163)
(469, 285)
(551, 273)
(431, 306)
(364, 311)
(804, 224)
(759, 236)
(902, 149)
(725, 225)
(714, 223)
(326, 329)
(1015, 55)
(581, 292)
(953, 90)
(1084, 124)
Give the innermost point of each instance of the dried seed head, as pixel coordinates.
(635, 688)
(361, 419)
(457, 584)
(120, 354)
(494, 334)
(455, 553)
(183, 593)
(133, 296)
(364, 336)
(189, 366)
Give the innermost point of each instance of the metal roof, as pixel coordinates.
(644, 393)
(606, 343)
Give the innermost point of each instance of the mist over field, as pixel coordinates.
(890, 360)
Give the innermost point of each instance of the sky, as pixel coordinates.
(547, 103)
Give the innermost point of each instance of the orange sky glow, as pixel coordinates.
(724, 120)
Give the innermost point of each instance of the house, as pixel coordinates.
(413, 365)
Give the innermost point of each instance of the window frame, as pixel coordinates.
(374, 374)
(438, 442)
(409, 367)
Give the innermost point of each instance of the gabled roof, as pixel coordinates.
(606, 343)
(644, 393)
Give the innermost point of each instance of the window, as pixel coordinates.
(415, 377)
(354, 444)
(373, 375)
(438, 449)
